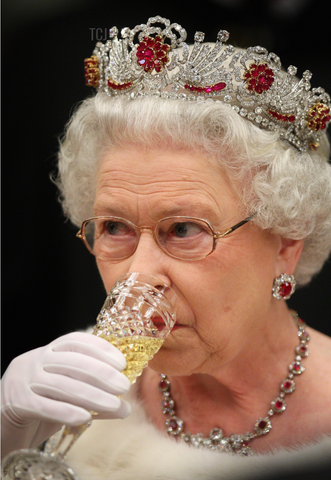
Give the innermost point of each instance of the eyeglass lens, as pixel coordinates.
(117, 238)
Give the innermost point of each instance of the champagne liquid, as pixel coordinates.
(138, 351)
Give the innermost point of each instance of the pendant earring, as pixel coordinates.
(284, 286)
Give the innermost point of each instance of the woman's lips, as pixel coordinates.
(159, 324)
(178, 325)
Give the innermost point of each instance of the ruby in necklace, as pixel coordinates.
(239, 444)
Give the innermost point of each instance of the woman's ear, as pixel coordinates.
(288, 256)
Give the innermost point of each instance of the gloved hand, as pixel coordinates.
(58, 384)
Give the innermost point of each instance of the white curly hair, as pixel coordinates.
(289, 191)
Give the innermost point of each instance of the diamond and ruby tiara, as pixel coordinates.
(251, 81)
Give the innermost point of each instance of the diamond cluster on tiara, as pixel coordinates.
(250, 81)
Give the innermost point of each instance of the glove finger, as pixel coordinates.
(122, 412)
(91, 346)
(78, 394)
(50, 411)
(95, 373)
(87, 363)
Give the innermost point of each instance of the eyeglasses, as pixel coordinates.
(185, 238)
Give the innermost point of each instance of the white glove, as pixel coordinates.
(58, 384)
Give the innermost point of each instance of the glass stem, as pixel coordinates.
(68, 437)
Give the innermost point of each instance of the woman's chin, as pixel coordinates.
(170, 360)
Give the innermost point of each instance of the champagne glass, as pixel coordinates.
(137, 317)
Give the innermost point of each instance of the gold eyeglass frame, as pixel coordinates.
(216, 235)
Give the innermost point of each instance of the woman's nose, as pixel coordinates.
(149, 258)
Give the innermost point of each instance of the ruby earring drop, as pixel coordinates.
(283, 286)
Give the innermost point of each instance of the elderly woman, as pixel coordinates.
(206, 167)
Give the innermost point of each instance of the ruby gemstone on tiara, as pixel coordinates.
(91, 70)
(213, 88)
(318, 116)
(281, 116)
(259, 77)
(152, 53)
(119, 86)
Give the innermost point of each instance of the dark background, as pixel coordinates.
(50, 284)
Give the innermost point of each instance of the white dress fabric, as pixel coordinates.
(134, 449)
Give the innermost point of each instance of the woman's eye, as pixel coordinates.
(187, 229)
(116, 228)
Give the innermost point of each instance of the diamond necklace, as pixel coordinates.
(239, 444)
